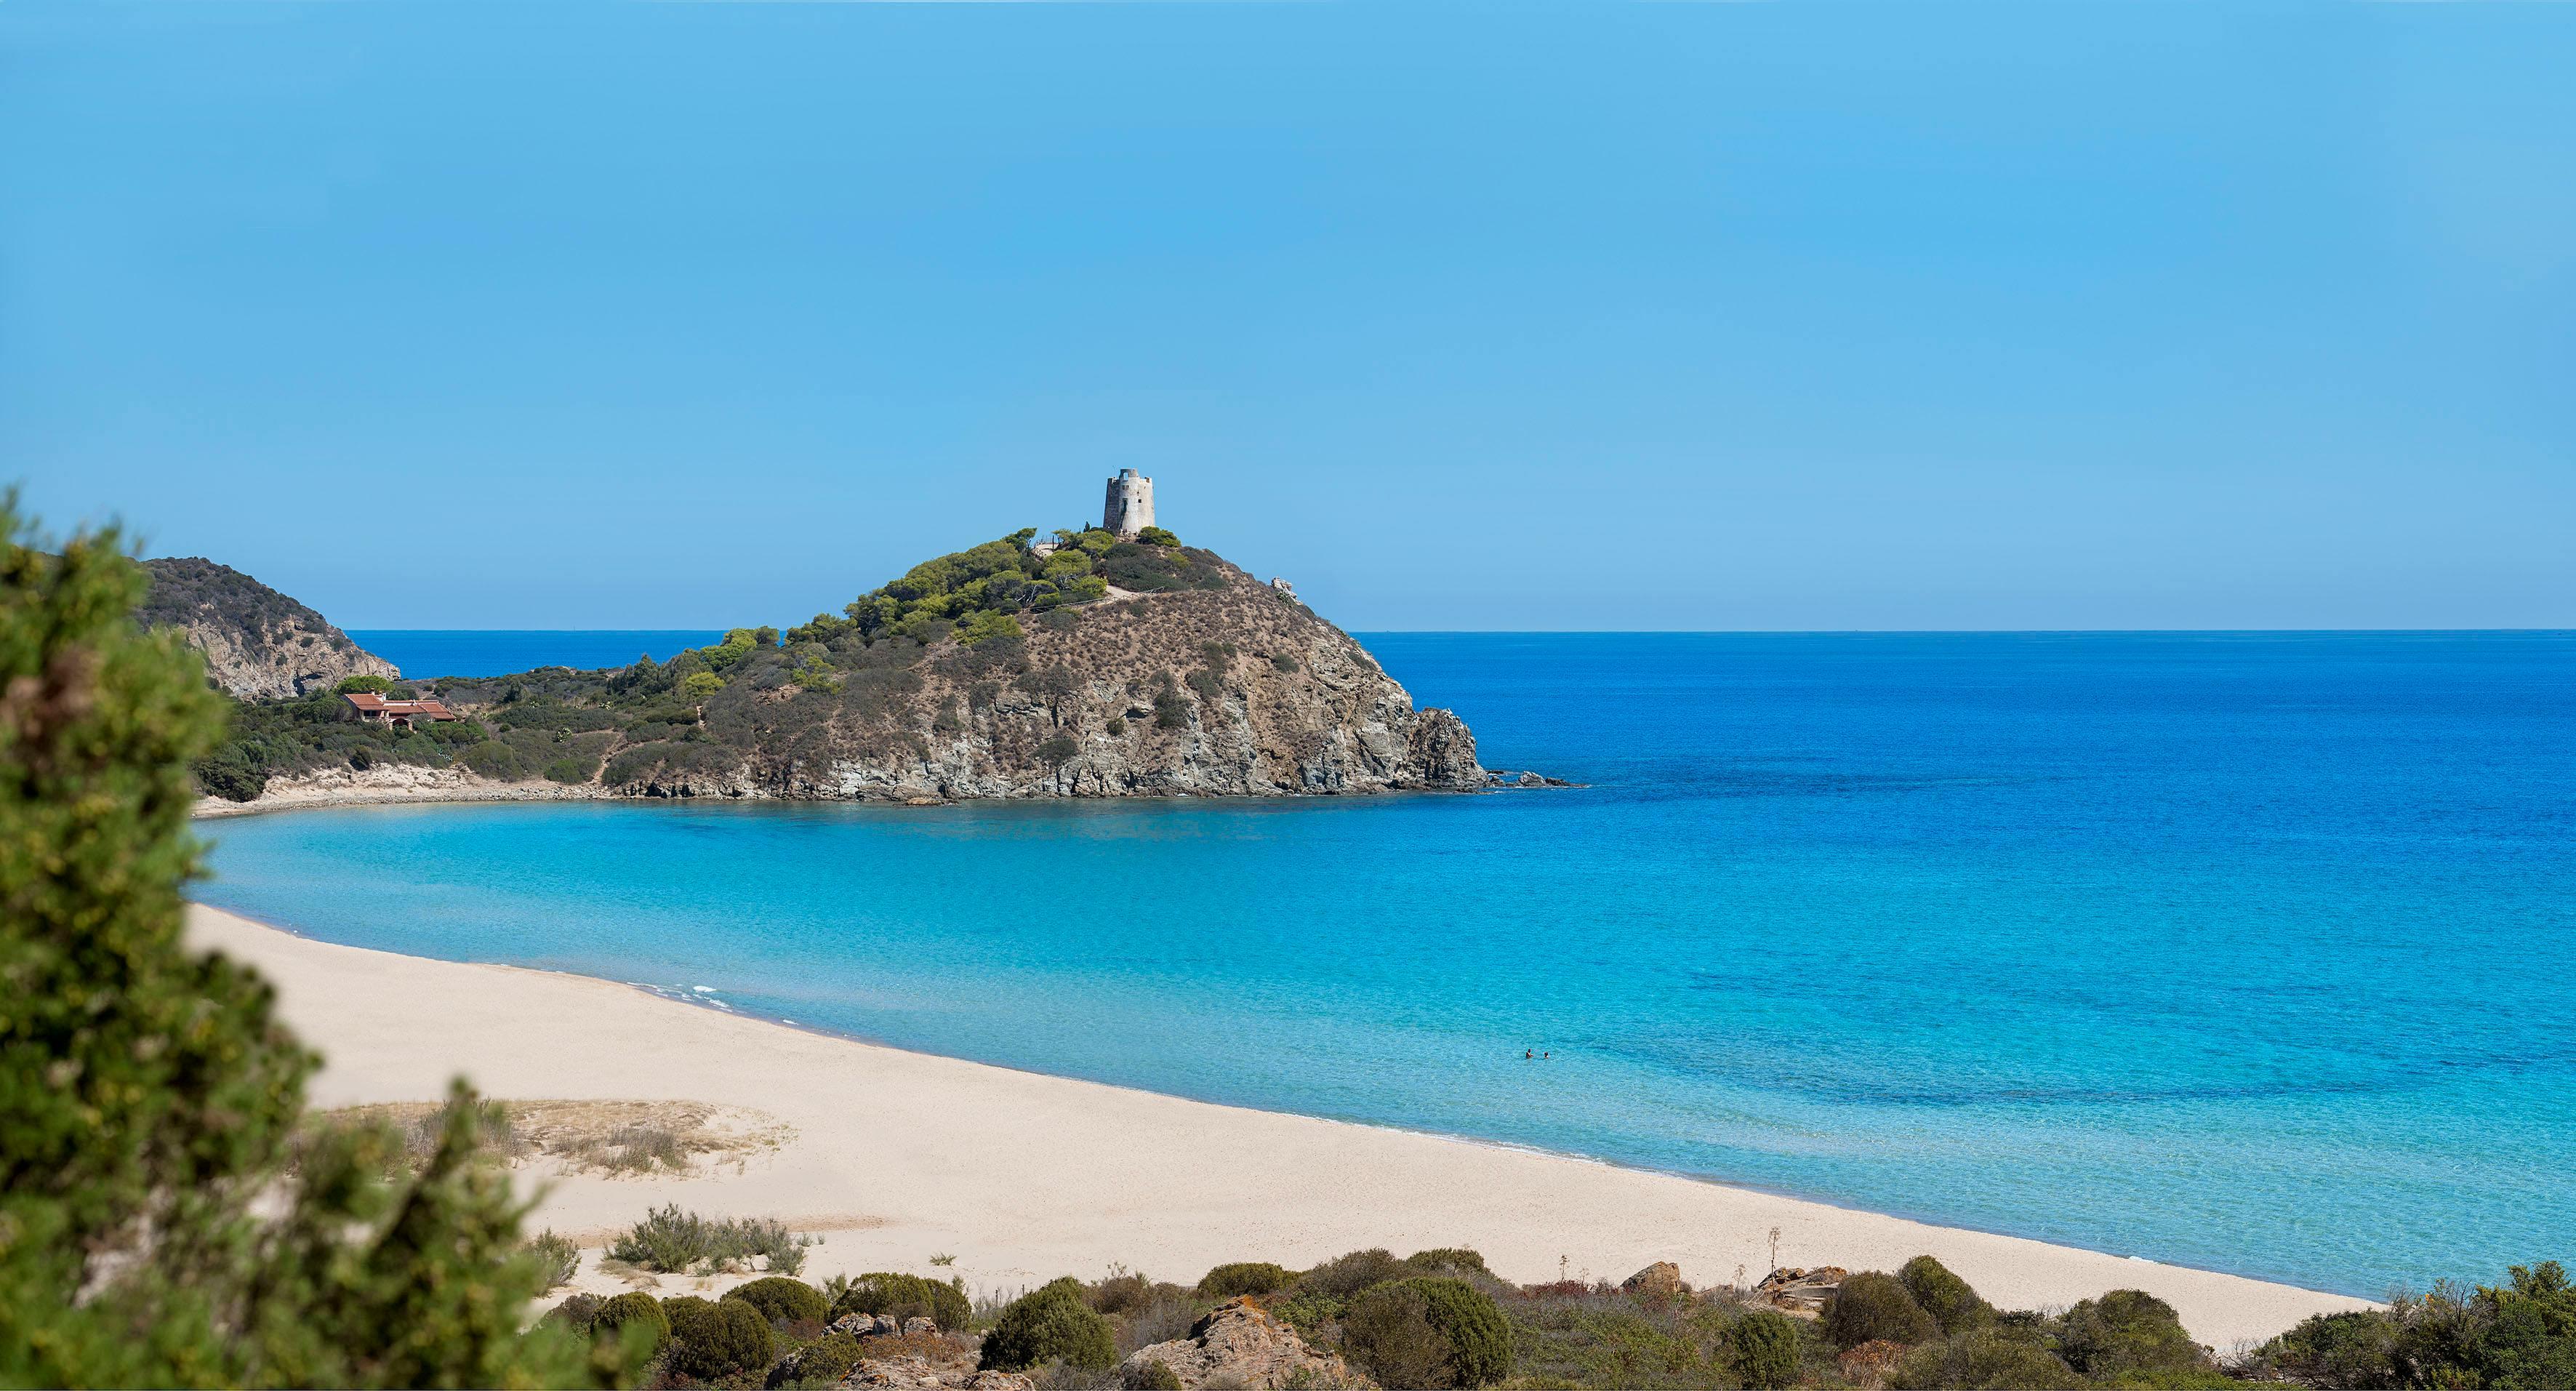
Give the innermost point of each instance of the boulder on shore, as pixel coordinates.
(1801, 1293)
(1662, 1280)
(1240, 1346)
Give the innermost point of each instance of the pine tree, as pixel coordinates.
(166, 1217)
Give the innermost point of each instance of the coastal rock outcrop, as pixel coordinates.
(1801, 1293)
(1662, 1280)
(1238, 1345)
(259, 644)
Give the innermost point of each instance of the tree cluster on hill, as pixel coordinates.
(194, 588)
(979, 593)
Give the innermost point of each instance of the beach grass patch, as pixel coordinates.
(556, 1256)
(671, 1240)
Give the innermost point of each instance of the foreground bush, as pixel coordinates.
(780, 1299)
(1871, 1306)
(1766, 1348)
(906, 1297)
(2126, 1331)
(713, 1341)
(1053, 1323)
(1944, 1296)
(146, 1087)
(637, 1308)
(1981, 1361)
(1245, 1277)
(2519, 1334)
(822, 1362)
(1429, 1331)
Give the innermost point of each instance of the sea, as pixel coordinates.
(2248, 951)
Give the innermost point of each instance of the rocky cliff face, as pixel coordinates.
(259, 644)
(1229, 691)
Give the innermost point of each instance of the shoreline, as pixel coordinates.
(1022, 1176)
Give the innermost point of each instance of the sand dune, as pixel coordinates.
(898, 1156)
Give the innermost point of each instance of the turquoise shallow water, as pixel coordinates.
(2245, 951)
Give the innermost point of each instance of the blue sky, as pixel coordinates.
(1702, 317)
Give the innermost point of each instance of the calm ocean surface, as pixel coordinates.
(2250, 952)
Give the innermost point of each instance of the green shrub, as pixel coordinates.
(822, 1362)
(576, 1311)
(353, 685)
(1171, 711)
(635, 1307)
(1474, 1339)
(1058, 751)
(1157, 536)
(1871, 1306)
(780, 1299)
(1347, 1275)
(493, 759)
(572, 770)
(2126, 1331)
(2338, 1350)
(906, 1297)
(1449, 1260)
(1244, 1277)
(723, 1339)
(1766, 1347)
(1050, 1324)
(1285, 664)
(1981, 1361)
(1154, 1375)
(1388, 1332)
(1946, 1297)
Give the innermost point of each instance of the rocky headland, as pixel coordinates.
(1099, 667)
(258, 643)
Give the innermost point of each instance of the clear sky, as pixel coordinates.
(1713, 317)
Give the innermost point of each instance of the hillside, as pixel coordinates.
(1103, 669)
(258, 644)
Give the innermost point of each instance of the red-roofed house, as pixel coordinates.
(401, 714)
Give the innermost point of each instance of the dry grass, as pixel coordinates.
(605, 1137)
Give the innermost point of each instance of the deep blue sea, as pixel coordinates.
(2245, 951)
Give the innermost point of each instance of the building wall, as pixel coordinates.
(1130, 505)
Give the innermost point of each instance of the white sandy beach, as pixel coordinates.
(897, 1156)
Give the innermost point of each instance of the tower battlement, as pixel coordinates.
(1130, 508)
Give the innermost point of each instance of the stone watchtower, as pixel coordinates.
(1130, 508)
